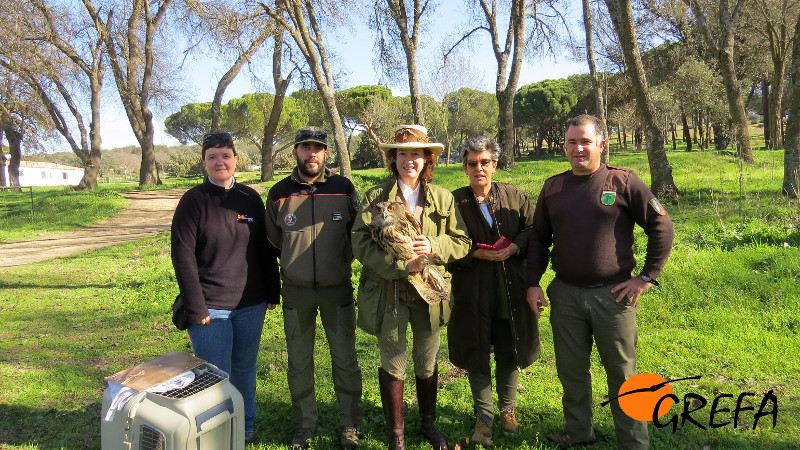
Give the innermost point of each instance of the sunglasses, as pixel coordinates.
(222, 137)
(482, 162)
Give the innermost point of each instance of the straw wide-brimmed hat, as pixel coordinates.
(413, 136)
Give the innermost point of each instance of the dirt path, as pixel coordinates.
(148, 213)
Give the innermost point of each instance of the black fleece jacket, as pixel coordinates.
(220, 252)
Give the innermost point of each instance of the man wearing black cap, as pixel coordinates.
(309, 217)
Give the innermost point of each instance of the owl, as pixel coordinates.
(394, 229)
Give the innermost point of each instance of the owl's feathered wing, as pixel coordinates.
(394, 229)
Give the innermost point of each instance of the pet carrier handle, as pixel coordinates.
(206, 415)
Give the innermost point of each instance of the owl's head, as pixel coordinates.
(387, 213)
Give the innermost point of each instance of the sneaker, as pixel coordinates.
(482, 434)
(508, 420)
(301, 437)
(349, 438)
(565, 440)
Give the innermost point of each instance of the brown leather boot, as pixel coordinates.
(427, 389)
(508, 420)
(392, 400)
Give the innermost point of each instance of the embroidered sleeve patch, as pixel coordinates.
(657, 207)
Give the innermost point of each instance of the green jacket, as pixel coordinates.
(441, 223)
(310, 223)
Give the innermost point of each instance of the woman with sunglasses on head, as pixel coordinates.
(490, 307)
(387, 302)
(226, 271)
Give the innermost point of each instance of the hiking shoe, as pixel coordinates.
(300, 439)
(508, 420)
(565, 440)
(349, 438)
(248, 437)
(482, 434)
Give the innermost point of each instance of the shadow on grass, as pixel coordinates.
(50, 428)
(132, 285)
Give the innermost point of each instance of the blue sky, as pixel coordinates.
(354, 50)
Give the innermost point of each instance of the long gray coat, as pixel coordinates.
(478, 284)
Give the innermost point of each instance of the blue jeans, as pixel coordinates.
(231, 342)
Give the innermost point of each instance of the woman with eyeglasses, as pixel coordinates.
(490, 308)
(387, 302)
(226, 271)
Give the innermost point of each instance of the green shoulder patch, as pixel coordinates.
(657, 206)
(608, 198)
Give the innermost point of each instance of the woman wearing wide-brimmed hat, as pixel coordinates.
(387, 302)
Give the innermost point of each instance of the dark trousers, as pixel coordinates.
(577, 315)
(336, 309)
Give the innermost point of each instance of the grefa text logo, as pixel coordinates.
(647, 397)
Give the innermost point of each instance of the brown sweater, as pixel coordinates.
(589, 222)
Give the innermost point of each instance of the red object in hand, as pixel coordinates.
(499, 245)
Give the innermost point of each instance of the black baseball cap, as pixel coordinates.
(311, 135)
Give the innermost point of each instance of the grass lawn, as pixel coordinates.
(728, 311)
(53, 209)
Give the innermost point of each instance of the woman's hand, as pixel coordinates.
(205, 320)
(422, 246)
(417, 264)
(496, 255)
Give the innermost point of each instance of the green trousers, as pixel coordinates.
(577, 315)
(393, 340)
(506, 375)
(337, 312)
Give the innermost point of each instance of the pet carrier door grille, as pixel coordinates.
(151, 439)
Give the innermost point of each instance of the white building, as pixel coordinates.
(36, 173)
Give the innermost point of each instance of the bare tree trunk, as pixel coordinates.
(413, 86)
(3, 181)
(775, 110)
(506, 83)
(791, 161)
(410, 41)
(281, 84)
(14, 139)
(91, 162)
(662, 182)
(307, 34)
(230, 75)
(765, 113)
(687, 135)
(778, 16)
(638, 138)
(91, 64)
(723, 44)
(702, 139)
(673, 131)
(131, 60)
(599, 102)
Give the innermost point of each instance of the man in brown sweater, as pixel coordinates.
(588, 215)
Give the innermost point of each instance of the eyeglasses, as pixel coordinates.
(482, 162)
(213, 137)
